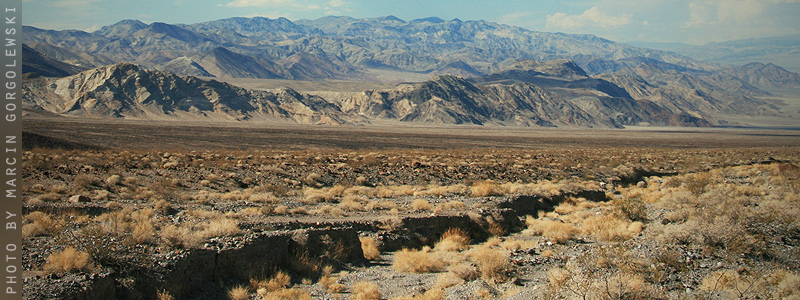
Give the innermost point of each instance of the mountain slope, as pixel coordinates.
(36, 62)
(127, 91)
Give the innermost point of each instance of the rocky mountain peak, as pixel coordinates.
(562, 68)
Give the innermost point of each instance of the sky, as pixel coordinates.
(695, 22)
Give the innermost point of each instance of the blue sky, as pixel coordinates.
(683, 21)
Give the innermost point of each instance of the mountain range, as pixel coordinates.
(482, 73)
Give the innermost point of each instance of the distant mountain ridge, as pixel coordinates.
(423, 45)
(483, 73)
(128, 91)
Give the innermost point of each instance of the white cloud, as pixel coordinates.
(592, 17)
(708, 12)
(337, 3)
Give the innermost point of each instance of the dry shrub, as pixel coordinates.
(164, 295)
(135, 226)
(370, 248)
(632, 208)
(67, 260)
(253, 211)
(279, 280)
(298, 211)
(353, 203)
(731, 284)
(329, 210)
(450, 205)
(611, 228)
(40, 224)
(180, 236)
(395, 191)
(420, 205)
(266, 197)
(487, 188)
(312, 196)
(555, 231)
(454, 239)
(416, 261)
(221, 226)
(381, 205)
(238, 293)
(363, 290)
(440, 191)
(493, 264)
(281, 210)
(331, 284)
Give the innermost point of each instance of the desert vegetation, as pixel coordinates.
(603, 223)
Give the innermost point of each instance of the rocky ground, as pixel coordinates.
(446, 224)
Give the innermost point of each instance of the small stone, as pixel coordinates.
(79, 199)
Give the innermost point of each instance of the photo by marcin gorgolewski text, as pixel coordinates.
(11, 133)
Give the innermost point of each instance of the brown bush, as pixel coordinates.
(363, 290)
(370, 248)
(238, 293)
(416, 261)
(493, 264)
(67, 260)
(40, 224)
(454, 239)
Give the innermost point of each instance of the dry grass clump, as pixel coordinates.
(381, 205)
(493, 263)
(441, 191)
(370, 248)
(164, 295)
(135, 226)
(222, 226)
(67, 260)
(189, 235)
(454, 239)
(449, 205)
(331, 284)
(279, 280)
(364, 290)
(553, 230)
(41, 223)
(329, 210)
(611, 228)
(353, 203)
(239, 293)
(416, 261)
(420, 205)
(487, 188)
